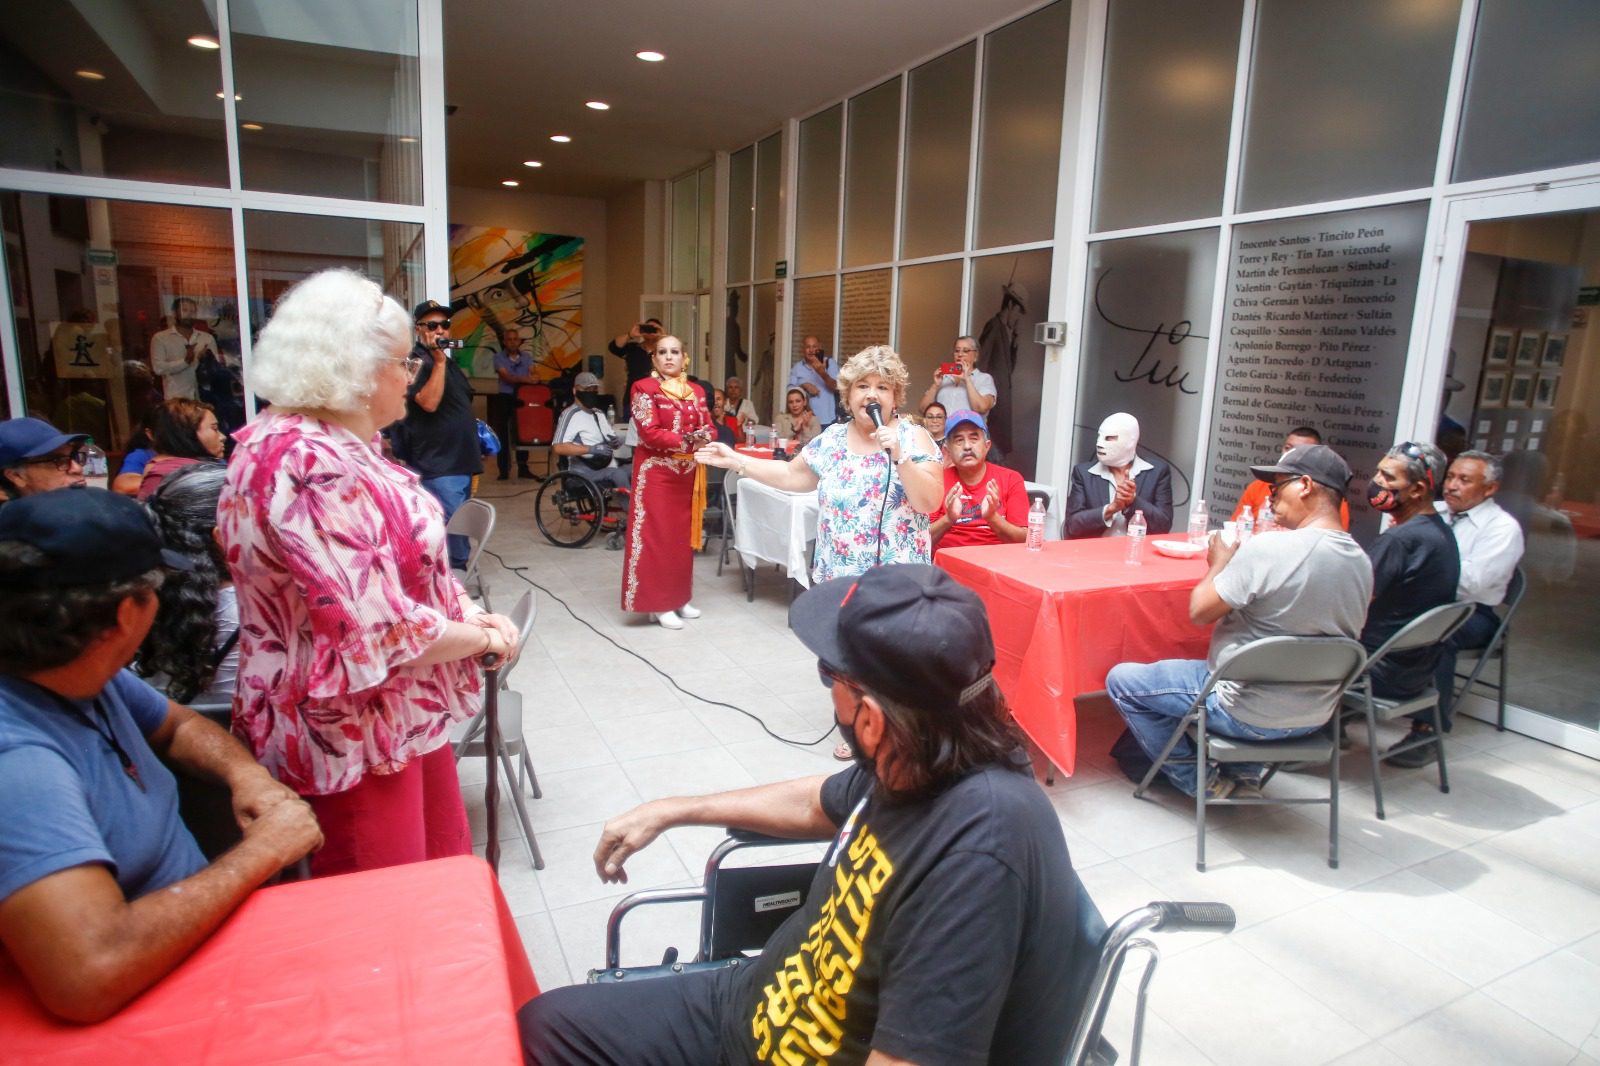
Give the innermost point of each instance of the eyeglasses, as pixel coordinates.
(1414, 451)
(829, 677)
(434, 324)
(1272, 494)
(62, 463)
(412, 364)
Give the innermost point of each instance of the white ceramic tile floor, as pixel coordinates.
(1465, 928)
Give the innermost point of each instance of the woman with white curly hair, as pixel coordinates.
(875, 484)
(358, 648)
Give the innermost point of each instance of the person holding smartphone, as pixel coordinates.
(673, 421)
(959, 385)
(636, 348)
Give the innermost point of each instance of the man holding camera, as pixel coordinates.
(439, 435)
(635, 349)
(815, 376)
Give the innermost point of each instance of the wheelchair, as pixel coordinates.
(571, 510)
(741, 907)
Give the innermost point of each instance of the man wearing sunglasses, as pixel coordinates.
(1416, 566)
(1310, 579)
(939, 926)
(439, 436)
(37, 457)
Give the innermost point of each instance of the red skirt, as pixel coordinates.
(658, 568)
(392, 819)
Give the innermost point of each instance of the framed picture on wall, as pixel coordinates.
(1493, 392)
(1521, 390)
(1499, 352)
(1529, 345)
(1544, 392)
(1555, 350)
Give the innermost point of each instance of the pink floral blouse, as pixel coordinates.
(339, 560)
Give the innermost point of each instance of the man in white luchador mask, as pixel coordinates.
(1106, 492)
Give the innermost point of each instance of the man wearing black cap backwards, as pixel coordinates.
(939, 926)
(102, 889)
(1309, 579)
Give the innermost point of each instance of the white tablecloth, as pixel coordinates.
(775, 526)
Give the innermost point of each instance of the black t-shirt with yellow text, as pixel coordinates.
(936, 930)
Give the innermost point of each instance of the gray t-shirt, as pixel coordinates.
(1302, 583)
(953, 393)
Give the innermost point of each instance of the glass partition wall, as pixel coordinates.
(179, 165)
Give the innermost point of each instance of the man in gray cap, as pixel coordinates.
(37, 457)
(587, 439)
(102, 889)
(1309, 579)
(947, 880)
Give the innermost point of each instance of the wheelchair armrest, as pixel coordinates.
(638, 899)
(753, 838)
(644, 973)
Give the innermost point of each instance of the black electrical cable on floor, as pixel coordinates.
(756, 718)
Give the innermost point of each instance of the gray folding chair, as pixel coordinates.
(1495, 650)
(1333, 662)
(470, 742)
(475, 521)
(730, 503)
(1427, 630)
(716, 508)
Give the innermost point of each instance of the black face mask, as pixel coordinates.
(587, 399)
(1382, 499)
(848, 732)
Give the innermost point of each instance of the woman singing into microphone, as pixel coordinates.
(875, 483)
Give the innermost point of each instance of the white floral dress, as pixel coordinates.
(850, 498)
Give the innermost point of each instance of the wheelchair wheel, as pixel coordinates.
(568, 510)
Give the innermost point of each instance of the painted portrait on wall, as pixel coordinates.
(532, 282)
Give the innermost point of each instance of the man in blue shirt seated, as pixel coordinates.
(102, 889)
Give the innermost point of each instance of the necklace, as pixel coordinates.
(107, 734)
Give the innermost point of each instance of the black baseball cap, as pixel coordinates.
(910, 632)
(1317, 461)
(429, 307)
(89, 536)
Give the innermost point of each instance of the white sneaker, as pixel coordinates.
(667, 620)
(689, 610)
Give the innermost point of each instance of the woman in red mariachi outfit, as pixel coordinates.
(673, 420)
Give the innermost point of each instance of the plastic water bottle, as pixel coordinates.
(1198, 519)
(95, 471)
(1266, 521)
(1247, 526)
(1136, 527)
(1036, 526)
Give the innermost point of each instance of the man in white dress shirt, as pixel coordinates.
(1490, 541)
(176, 350)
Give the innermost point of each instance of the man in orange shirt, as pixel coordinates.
(1255, 494)
(983, 503)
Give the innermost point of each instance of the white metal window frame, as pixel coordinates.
(432, 214)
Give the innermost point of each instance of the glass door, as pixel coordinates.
(1523, 384)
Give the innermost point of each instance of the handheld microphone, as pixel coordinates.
(875, 412)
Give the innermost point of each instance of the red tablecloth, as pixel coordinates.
(411, 964)
(1063, 617)
(754, 452)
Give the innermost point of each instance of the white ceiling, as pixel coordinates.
(520, 70)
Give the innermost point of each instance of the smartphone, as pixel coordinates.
(950, 370)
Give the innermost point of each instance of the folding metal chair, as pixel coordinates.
(730, 503)
(470, 741)
(1496, 650)
(475, 521)
(740, 908)
(1333, 662)
(1427, 630)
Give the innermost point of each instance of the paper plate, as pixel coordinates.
(1179, 549)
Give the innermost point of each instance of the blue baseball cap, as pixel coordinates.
(30, 438)
(957, 417)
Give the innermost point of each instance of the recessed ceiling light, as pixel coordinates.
(597, 105)
(236, 96)
(250, 126)
(406, 140)
(90, 75)
(532, 163)
(560, 138)
(649, 57)
(200, 40)
(511, 183)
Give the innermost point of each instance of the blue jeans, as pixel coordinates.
(1152, 697)
(452, 491)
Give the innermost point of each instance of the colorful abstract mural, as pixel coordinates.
(502, 278)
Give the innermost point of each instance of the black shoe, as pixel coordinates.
(1412, 758)
(504, 476)
(524, 472)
